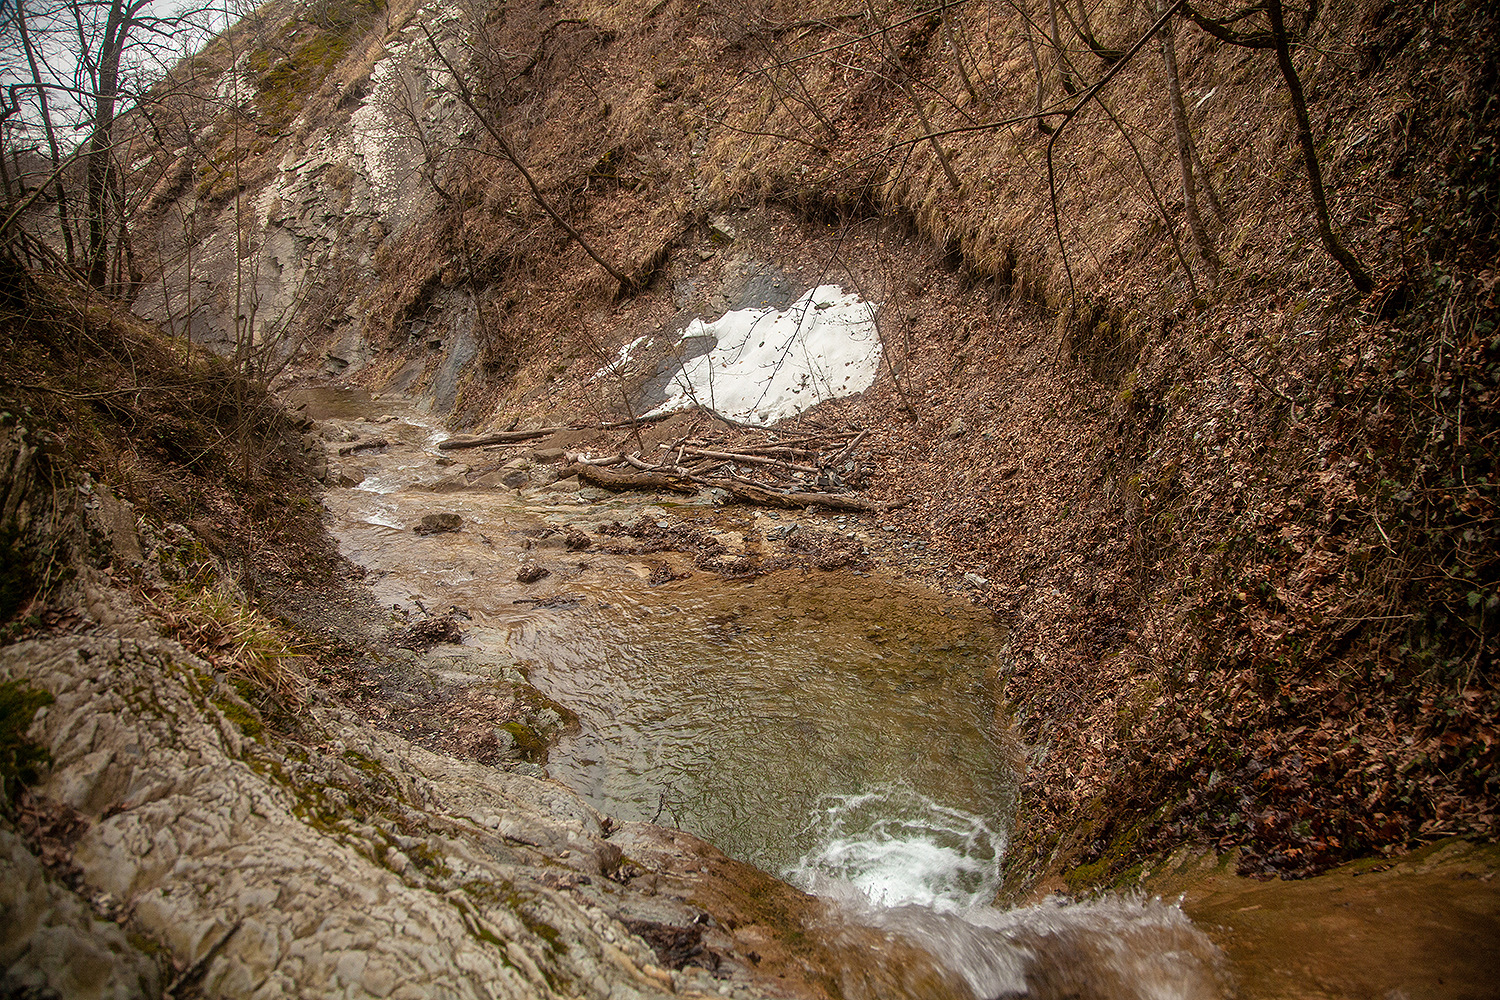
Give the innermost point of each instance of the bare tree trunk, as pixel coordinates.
(41, 96)
(958, 56)
(1041, 80)
(930, 132)
(898, 73)
(101, 151)
(1084, 30)
(1209, 194)
(5, 170)
(1083, 18)
(1356, 271)
(1161, 208)
(1059, 56)
(1201, 238)
(127, 275)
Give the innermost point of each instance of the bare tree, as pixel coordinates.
(899, 74)
(1201, 238)
(79, 65)
(509, 154)
(1351, 265)
(1278, 38)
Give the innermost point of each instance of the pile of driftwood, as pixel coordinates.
(791, 469)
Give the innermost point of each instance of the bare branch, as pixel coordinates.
(1351, 265)
(509, 153)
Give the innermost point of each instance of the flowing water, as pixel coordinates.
(837, 729)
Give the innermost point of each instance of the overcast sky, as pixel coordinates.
(65, 35)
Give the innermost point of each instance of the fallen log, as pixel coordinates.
(732, 456)
(582, 459)
(364, 444)
(646, 466)
(630, 480)
(757, 494)
(742, 488)
(499, 437)
(612, 425)
(776, 449)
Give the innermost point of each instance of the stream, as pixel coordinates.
(837, 729)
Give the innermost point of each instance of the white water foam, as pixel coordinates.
(384, 518)
(383, 482)
(895, 861)
(896, 846)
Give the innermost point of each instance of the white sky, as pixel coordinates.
(68, 55)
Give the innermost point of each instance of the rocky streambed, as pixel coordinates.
(744, 675)
(576, 688)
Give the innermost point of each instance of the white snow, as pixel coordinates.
(769, 364)
(623, 357)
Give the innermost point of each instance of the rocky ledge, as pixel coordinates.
(186, 849)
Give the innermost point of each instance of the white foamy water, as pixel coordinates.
(896, 846)
(385, 518)
(900, 864)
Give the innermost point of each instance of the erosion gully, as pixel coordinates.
(839, 730)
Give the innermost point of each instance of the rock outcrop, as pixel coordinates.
(345, 862)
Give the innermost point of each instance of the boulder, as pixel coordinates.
(434, 524)
(512, 479)
(531, 572)
(451, 483)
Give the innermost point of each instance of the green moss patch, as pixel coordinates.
(20, 757)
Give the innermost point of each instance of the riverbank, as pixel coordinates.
(240, 756)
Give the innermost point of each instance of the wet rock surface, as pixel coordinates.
(531, 572)
(435, 524)
(343, 862)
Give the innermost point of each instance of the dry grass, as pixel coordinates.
(640, 118)
(217, 623)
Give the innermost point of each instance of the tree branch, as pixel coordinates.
(509, 153)
(1356, 271)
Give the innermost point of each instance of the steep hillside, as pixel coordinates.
(1233, 498)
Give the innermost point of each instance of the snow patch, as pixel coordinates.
(771, 364)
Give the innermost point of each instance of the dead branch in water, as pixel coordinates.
(365, 444)
(499, 437)
(631, 480)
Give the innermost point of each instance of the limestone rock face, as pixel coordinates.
(50, 938)
(345, 863)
